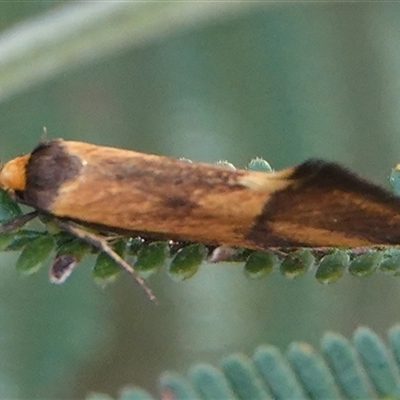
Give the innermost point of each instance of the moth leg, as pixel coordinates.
(17, 222)
(101, 244)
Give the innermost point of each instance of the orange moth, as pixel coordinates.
(314, 204)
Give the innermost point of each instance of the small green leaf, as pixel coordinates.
(378, 363)
(21, 238)
(312, 372)
(243, 378)
(259, 164)
(260, 264)
(73, 246)
(346, 367)
(210, 382)
(332, 266)
(297, 263)
(50, 224)
(105, 269)
(151, 258)
(365, 264)
(187, 261)
(9, 209)
(277, 374)
(34, 254)
(5, 239)
(391, 263)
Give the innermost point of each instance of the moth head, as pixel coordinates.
(13, 174)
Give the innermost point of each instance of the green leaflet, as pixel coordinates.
(260, 264)
(151, 258)
(243, 377)
(312, 372)
(9, 209)
(67, 245)
(391, 262)
(21, 238)
(297, 263)
(6, 239)
(365, 264)
(346, 366)
(210, 382)
(105, 269)
(332, 266)
(34, 254)
(187, 261)
(275, 369)
(378, 363)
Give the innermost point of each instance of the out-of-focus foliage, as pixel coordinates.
(283, 81)
(364, 369)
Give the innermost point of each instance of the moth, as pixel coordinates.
(314, 204)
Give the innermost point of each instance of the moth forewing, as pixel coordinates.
(145, 193)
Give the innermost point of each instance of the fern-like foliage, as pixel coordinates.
(364, 368)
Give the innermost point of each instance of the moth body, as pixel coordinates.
(314, 204)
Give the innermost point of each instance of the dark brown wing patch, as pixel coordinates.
(327, 205)
(49, 166)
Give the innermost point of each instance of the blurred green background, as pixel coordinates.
(284, 81)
